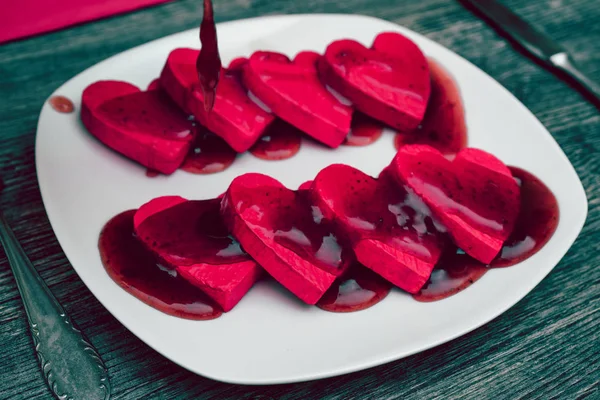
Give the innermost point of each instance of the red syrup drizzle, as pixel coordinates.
(208, 154)
(62, 104)
(364, 130)
(136, 270)
(208, 63)
(536, 223)
(357, 289)
(152, 173)
(281, 141)
(443, 126)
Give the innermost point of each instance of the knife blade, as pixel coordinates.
(536, 42)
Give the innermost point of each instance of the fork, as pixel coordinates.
(70, 364)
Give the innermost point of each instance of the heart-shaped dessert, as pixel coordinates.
(391, 230)
(391, 88)
(191, 239)
(285, 234)
(293, 91)
(475, 196)
(146, 127)
(234, 117)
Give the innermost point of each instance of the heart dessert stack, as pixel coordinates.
(317, 94)
(397, 225)
(340, 235)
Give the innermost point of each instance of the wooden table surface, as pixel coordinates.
(547, 346)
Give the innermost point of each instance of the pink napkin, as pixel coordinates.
(24, 18)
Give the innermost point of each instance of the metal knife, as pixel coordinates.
(535, 42)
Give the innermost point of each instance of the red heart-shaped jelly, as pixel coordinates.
(190, 237)
(144, 126)
(293, 91)
(475, 196)
(284, 233)
(234, 117)
(391, 230)
(391, 88)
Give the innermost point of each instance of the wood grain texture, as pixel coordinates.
(545, 347)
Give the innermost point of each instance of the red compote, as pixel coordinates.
(62, 104)
(455, 271)
(357, 289)
(285, 234)
(364, 130)
(280, 141)
(536, 223)
(139, 272)
(443, 126)
(208, 63)
(537, 220)
(152, 173)
(208, 154)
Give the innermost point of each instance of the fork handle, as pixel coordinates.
(70, 365)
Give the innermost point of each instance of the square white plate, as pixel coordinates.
(270, 337)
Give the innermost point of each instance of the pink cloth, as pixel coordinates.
(23, 18)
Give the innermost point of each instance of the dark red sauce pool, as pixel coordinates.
(137, 271)
(281, 141)
(357, 289)
(62, 104)
(208, 154)
(364, 130)
(443, 126)
(208, 63)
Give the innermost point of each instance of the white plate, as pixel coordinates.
(270, 337)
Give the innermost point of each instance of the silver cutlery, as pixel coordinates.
(70, 365)
(536, 43)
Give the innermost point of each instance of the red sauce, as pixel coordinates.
(281, 141)
(208, 154)
(364, 130)
(357, 289)
(537, 221)
(454, 272)
(443, 126)
(137, 271)
(151, 173)
(62, 104)
(208, 63)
